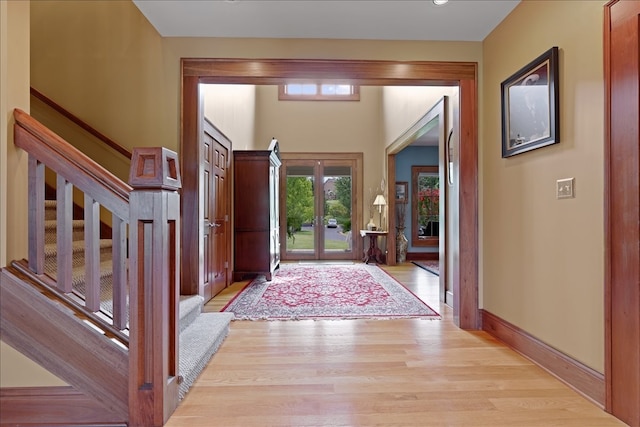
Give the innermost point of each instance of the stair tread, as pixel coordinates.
(78, 246)
(190, 308)
(53, 223)
(198, 342)
(78, 273)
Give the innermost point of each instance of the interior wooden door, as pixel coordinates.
(216, 206)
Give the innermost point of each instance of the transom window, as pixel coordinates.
(319, 91)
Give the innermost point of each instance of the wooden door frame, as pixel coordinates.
(621, 212)
(376, 73)
(357, 183)
(439, 111)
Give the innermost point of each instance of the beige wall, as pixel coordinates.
(93, 147)
(542, 258)
(14, 90)
(403, 106)
(232, 109)
(15, 369)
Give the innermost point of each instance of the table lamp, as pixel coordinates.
(380, 202)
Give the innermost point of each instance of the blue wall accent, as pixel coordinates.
(414, 156)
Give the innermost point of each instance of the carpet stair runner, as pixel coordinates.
(200, 334)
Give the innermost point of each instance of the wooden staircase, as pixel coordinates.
(200, 334)
(104, 313)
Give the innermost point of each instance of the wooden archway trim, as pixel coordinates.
(378, 73)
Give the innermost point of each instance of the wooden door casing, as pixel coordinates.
(622, 210)
(196, 71)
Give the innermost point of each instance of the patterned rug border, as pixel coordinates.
(261, 283)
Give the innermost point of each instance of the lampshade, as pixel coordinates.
(379, 201)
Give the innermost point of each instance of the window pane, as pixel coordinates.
(309, 89)
(428, 205)
(318, 91)
(344, 90)
(294, 89)
(328, 89)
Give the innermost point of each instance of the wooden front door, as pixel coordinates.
(216, 225)
(318, 210)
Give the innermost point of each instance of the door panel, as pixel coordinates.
(215, 222)
(300, 214)
(336, 238)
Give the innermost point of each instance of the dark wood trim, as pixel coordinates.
(578, 376)
(622, 209)
(465, 276)
(363, 72)
(423, 256)
(48, 287)
(78, 121)
(154, 276)
(190, 160)
(52, 336)
(52, 406)
(607, 202)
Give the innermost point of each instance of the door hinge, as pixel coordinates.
(226, 264)
(226, 218)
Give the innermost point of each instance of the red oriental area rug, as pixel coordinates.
(325, 291)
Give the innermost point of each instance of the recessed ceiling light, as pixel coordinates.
(439, 2)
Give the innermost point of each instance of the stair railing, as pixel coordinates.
(145, 223)
(100, 188)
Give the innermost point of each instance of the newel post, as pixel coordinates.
(154, 280)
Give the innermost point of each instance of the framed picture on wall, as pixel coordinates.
(401, 192)
(530, 106)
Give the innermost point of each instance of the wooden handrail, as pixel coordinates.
(146, 222)
(78, 121)
(62, 158)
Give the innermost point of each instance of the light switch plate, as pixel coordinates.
(564, 188)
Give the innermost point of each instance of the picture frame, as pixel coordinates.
(401, 191)
(530, 106)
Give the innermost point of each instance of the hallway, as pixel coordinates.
(406, 372)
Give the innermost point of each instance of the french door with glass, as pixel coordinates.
(318, 208)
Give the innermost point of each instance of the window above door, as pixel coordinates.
(318, 91)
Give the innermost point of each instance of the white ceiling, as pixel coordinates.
(458, 20)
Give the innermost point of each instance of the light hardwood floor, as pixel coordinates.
(405, 372)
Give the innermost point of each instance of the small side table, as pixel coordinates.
(373, 253)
